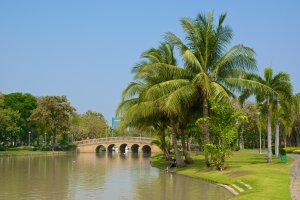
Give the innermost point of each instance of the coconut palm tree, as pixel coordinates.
(216, 70)
(144, 100)
(280, 90)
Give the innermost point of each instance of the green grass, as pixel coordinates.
(269, 181)
(26, 152)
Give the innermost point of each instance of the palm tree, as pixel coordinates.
(280, 89)
(215, 71)
(144, 100)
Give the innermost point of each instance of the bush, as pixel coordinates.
(236, 148)
(2, 148)
(282, 151)
(218, 155)
(292, 149)
(45, 148)
(273, 150)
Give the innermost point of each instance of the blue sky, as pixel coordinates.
(86, 49)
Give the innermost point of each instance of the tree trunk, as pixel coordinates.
(298, 139)
(205, 128)
(277, 138)
(242, 145)
(164, 146)
(179, 161)
(187, 156)
(284, 139)
(269, 136)
(38, 138)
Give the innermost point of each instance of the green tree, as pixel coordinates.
(9, 128)
(53, 112)
(93, 124)
(216, 71)
(280, 90)
(24, 104)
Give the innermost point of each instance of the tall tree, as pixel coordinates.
(216, 70)
(280, 89)
(55, 113)
(24, 104)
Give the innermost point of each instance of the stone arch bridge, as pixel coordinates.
(121, 144)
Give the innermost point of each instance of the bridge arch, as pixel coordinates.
(135, 148)
(100, 148)
(122, 148)
(146, 149)
(110, 148)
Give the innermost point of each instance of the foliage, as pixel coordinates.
(9, 127)
(218, 155)
(53, 113)
(90, 124)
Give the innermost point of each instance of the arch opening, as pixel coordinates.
(111, 148)
(100, 148)
(135, 148)
(146, 149)
(123, 148)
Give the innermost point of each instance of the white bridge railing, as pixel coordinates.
(115, 139)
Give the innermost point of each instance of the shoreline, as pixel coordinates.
(30, 153)
(227, 187)
(246, 172)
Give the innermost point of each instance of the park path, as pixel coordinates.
(295, 177)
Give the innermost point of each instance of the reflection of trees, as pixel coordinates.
(28, 177)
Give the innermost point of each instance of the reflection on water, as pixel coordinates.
(97, 176)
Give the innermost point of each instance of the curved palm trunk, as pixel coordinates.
(205, 128)
(187, 156)
(179, 161)
(269, 136)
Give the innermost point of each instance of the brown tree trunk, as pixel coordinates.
(164, 146)
(179, 161)
(187, 156)
(205, 128)
(269, 136)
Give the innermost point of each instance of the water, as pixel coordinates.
(97, 176)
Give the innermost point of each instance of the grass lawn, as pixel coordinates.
(268, 181)
(26, 152)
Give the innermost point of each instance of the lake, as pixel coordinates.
(97, 176)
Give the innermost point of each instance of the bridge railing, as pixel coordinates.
(115, 139)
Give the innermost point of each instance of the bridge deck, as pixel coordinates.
(115, 139)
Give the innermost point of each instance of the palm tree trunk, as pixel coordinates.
(179, 161)
(277, 139)
(205, 128)
(164, 146)
(269, 136)
(242, 145)
(187, 156)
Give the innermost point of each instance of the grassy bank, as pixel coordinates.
(246, 169)
(27, 152)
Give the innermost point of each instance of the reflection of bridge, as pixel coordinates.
(133, 144)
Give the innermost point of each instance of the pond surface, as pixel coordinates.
(97, 176)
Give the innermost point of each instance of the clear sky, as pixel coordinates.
(86, 49)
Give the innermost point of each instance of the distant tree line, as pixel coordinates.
(48, 120)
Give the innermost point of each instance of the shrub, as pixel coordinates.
(45, 148)
(236, 148)
(292, 149)
(218, 155)
(2, 148)
(282, 151)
